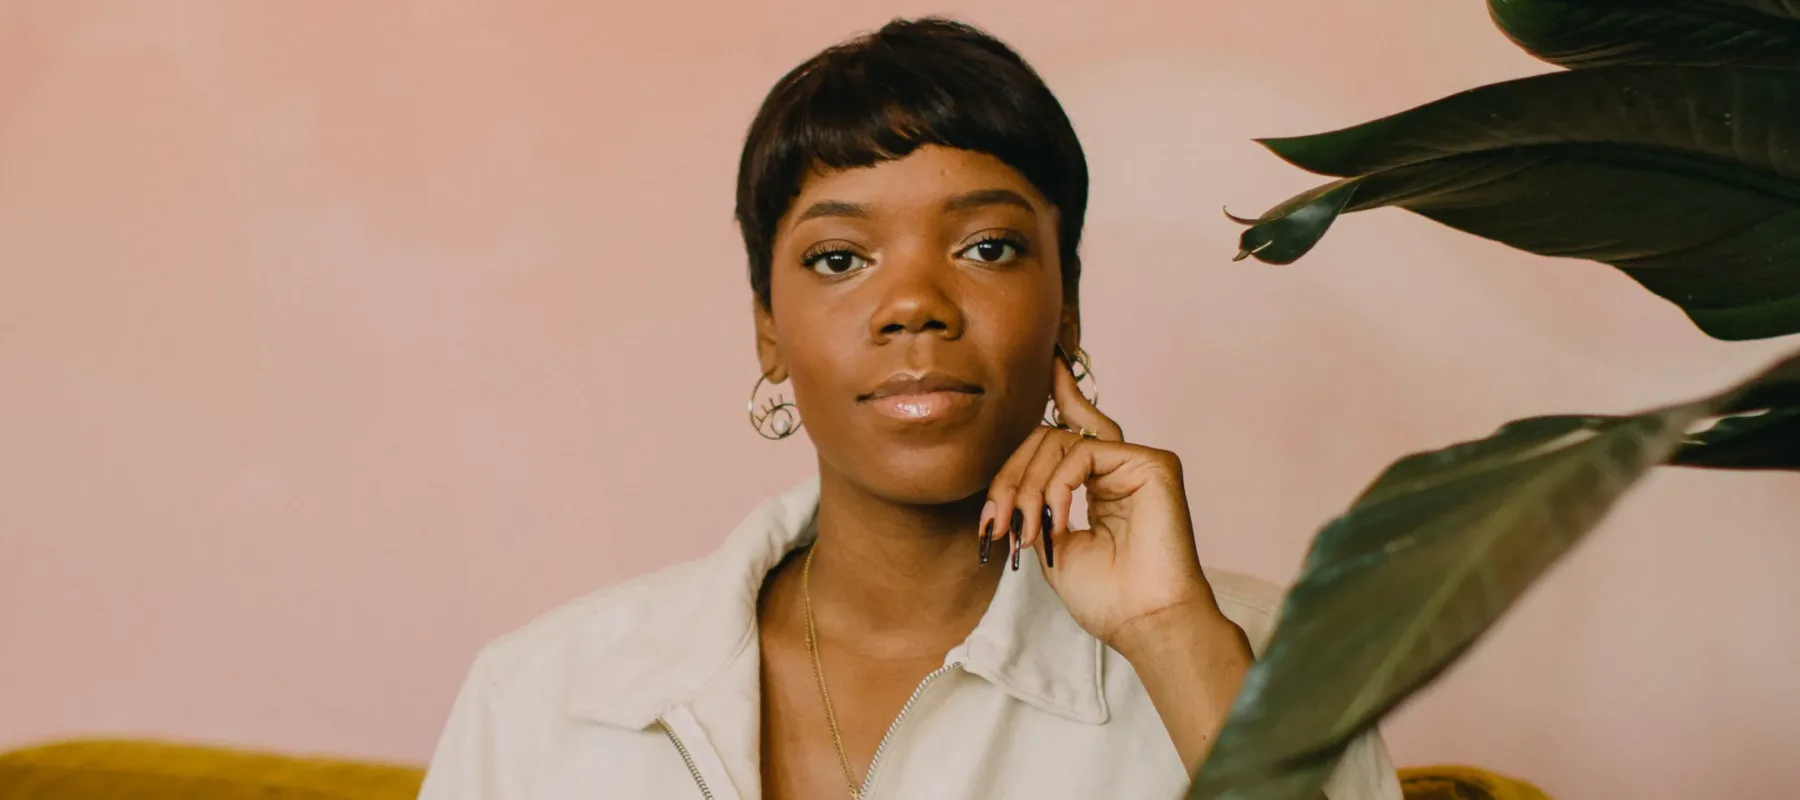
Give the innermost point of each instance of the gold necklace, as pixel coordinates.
(812, 648)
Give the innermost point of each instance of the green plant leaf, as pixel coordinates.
(1428, 558)
(1592, 33)
(1763, 440)
(1685, 178)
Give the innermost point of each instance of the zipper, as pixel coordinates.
(888, 737)
(688, 758)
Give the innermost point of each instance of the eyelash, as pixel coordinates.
(1020, 248)
(812, 257)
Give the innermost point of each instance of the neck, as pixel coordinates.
(899, 577)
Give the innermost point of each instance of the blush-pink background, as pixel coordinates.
(338, 337)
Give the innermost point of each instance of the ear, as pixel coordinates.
(768, 347)
(1068, 332)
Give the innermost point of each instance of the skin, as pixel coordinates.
(946, 260)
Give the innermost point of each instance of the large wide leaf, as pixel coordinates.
(1768, 440)
(1432, 554)
(1592, 33)
(1685, 178)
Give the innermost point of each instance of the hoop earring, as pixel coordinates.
(776, 419)
(1084, 371)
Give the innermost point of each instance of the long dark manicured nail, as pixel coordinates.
(987, 540)
(1018, 528)
(1049, 546)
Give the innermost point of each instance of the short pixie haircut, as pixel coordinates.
(879, 97)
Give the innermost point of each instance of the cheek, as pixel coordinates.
(1018, 335)
(818, 352)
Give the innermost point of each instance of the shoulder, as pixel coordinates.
(707, 596)
(623, 653)
(524, 693)
(558, 640)
(1252, 603)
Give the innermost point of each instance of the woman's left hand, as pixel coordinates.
(1137, 563)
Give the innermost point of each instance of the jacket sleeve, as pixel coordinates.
(1365, 772)
(466, 764)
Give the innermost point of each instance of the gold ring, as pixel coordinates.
(1089, 433)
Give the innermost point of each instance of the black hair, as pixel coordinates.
(880, 96)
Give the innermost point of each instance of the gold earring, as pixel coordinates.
(776, 419)
(1084, 371)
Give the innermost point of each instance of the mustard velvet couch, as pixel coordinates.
(117, 769)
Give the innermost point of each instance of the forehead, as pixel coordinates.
(923, 179)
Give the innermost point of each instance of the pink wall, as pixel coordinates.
(338, 337)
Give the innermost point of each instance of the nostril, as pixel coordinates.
(892, 328)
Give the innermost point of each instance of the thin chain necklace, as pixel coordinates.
(812, 648)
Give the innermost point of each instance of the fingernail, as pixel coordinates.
(1018, 526)
(987, 540)
(1049, 546)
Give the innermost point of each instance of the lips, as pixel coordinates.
(902, 385)
(932, 397)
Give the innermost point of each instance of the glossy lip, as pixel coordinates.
(929, 383)
(923, 398)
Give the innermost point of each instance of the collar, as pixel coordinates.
(664, 640)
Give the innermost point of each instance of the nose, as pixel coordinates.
(916, 299)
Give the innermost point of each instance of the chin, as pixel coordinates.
(931, 476)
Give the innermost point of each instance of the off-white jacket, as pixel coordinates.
(652, 689)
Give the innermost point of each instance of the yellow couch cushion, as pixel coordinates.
(1464, 783)
(114, 769)
(143, 770)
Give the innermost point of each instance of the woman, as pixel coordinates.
(922, 619)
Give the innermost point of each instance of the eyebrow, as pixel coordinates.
(961, 202)
(987, 197)
(832, 208)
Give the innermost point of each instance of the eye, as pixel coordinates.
(836, 261)
(996, 249)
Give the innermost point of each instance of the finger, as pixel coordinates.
(1055, 504)
(1059, 502)
(1029, 498)
(1083, 460)
(996, 515)
(1086, 461)
(1075, 409)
